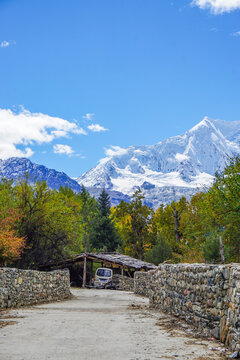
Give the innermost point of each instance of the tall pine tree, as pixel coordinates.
(104, 235)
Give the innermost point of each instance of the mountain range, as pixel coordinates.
(15, 168)
(180, 165)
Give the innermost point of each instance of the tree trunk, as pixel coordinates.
(222, 250)
(177, 219)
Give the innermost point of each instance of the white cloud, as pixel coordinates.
(237, 33)
(25, 129)
(214, 29)
(96, 128)
(6, 43)
(218, 6)
(115, 150)
(89, 116)
(63, 149)
(60, 133)
(80, 131)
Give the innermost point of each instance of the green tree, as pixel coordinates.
(134, 221)
(87, 211)
(104, 235)
(48, 223)
(222, 202)
(168, 221)
(211, 248)
(160, 252)
(7, 196)
(104, 203)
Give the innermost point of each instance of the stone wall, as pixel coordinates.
(126, 283)
(121, 282)
(206, 296)
(28, 287)
(142, 282)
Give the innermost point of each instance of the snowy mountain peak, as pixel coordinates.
(177, 166)
(206, 122)
(207, 127)
(171, 168)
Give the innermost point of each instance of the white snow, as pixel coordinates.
(182, 162)
(115, 150)
(181, 157)
(204, 122)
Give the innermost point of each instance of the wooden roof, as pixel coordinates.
(106, 257)
(118, 259)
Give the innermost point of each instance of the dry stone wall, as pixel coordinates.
(142, 282)
(123, 282)
(126, 283)
(28, 287)
(206, 296)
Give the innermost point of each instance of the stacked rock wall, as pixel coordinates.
(121, 282)
(142, 283)
(126, 283)
(206, 296)
(28, 287)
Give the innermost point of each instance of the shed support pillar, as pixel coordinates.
(91, 273)
(84, 271)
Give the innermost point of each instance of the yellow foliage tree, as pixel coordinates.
(11, 245)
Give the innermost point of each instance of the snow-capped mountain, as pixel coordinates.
(16, 168)
(180, 165)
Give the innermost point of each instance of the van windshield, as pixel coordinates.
(104, 272)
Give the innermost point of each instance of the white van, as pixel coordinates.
(102, 276)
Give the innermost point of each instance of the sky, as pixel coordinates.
(80, 77)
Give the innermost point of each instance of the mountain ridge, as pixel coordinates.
(177, 166)
(15, 168)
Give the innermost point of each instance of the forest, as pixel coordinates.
(39, 225)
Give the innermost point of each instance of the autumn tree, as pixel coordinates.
(134, 220)
(11, 245)
(48, 223)
(168, 220)
(222, 202)
(160, 252)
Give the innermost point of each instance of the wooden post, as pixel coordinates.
(91, 272)
(84, 271)
(122, 271)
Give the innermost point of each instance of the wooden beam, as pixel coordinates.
(84, 271)
(91, 272)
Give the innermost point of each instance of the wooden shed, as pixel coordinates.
(123, 264)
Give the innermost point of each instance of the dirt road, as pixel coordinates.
(98, 325)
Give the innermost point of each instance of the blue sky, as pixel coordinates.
(77, 76)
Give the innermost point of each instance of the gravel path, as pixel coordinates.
(98, 325)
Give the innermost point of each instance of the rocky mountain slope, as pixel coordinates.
(15, 168)
(180, 165)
